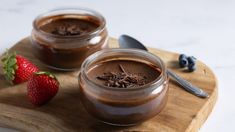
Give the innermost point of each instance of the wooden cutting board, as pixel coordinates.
(183, 112)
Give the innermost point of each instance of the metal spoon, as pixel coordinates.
(126, 41)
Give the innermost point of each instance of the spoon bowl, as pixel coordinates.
(126, 41)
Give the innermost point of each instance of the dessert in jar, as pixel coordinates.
(123, 86)
(63, 38)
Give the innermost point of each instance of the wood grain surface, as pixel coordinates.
(183, 112)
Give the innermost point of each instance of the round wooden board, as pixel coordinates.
(183, 112)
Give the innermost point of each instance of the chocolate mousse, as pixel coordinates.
(123, 74)
(127, 93)
(63, 41)
(62, 26)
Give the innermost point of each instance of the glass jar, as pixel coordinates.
(123, 106)
(65, 51)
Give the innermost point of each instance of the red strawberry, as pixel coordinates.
(17, 69)
(42, 87)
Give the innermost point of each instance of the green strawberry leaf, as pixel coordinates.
(9, 65)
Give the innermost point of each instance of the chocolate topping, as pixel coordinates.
(66, 30)
(122, 79)
(69, 26)
(123, 73)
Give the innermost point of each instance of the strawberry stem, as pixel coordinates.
(46, 73)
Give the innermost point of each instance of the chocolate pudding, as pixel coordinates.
(64, 40)
(123, 74)
(62, 26)
(123, 92)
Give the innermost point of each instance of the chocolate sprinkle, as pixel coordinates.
(122, 79)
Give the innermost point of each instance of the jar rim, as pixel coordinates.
(158, 81)
(60, 11)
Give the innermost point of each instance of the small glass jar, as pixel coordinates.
(123, 106)
(68, 52)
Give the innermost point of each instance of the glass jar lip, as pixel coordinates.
(88, 10)
(159, 80)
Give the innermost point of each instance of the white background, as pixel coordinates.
(203, 28)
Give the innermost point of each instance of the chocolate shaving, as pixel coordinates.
(122, 79)
(122, 69)
(67, 30)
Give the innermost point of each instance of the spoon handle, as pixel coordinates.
(188, 86)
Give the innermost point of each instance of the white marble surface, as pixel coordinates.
(203, 28)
